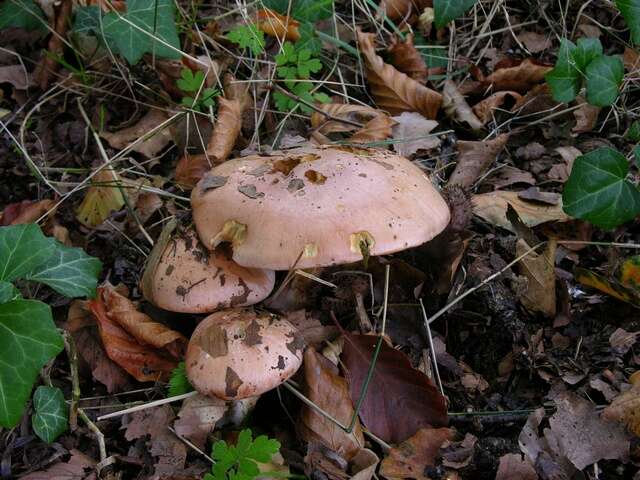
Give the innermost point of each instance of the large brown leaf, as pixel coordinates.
(149, 147)
(485, 108)
(376, 125)
(539, 270)
(406, 58)
(329, 391)
(198, 417)
(400, 399)
(475, 158)
(279, 26)
(509, 74)
(456, 107)
(404, 9)
(392, 90)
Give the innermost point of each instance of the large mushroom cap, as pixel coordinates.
(238, 353)
(187, 277)
(320, 205)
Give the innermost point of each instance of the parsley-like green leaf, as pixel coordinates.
(178, 382)
(238, 462)
(248, 36)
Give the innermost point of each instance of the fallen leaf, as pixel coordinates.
(586, 116)
(629, 272)
(492, 207)
(625, 408)
(279, 26)
(49, 63)
(309, 327)
(412, 457)
(621, 340)
(412, 132)
(16, 75)
(402, 9)
(484, 109)
(149, 147)
(538, 99)
(78, 467)
(26, 211)
(535, 42)
(459, 454)
(198, 417)
(561, 171)
(101, 199)
(329, 391)
(376, 125)
(513, 467)
(609, 286)
(393, 90)
(534, 194)
(456, 107)
(395, 387)
(474, 159)
(363, 465)
(507, 176)
(142, 327)
(406, 59)
(631, 59)
(509, 74)
(539, 294)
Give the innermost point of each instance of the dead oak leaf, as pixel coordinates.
(198, 417)
(586, 116)
(475, 158)
(376, 125)
(625, 408)
(484, 109)
(27, 211)
(78, 467)
(279, 26)
(535, 42)
(509, 74)
(392, 90)
(539, 270)
(513, 467)
(457, 108)
(17, 76)
(406, 58)
(101, 199)
(149, 147)
(412, 132)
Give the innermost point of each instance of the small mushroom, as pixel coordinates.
(240, 353)
(183, 276)
(314, 207)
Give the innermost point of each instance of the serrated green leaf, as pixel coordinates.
(187, 81)
(604, 77)
(587, 50)
(286, 55)
(447, 10)
(248, 36)
(248, 467)
(8, 292)
(630, 10)
(28, 340)
(148, 26)
(178, 382)
(263, 448)
(22, 249)
(564, 80)
(243, 443)
(51, 416)
(69, 271)
(22, 14)
(597, 189)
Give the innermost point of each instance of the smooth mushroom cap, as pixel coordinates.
(318, 205)
(191, 279)
(239, 353)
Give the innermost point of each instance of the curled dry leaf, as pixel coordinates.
(376, 125)
(404, 9)
(536, 100)
(457, 108)
(412, 132)
(405, 57)
(393, 90)
(16, 75)
(625, 408)
(535, 42)
(412, 457)
(475, 158)
(513, 467)
(26, 211)
(198, 417)
(586, 116)
(631, 60)
(539, 270)
(329, 391)
(376, 129)
(484, 109)
(77, 467)
(149, 147)
(101, 199)
(279, 26)
(509, 74)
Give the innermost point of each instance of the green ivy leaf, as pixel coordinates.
(564, 80)
(51, 416)
(8, 292)
(69, 271)
(22, 249)
(630, 10)
(22, 14)
(28, 340)
(604, 77)
(633, 133)
(447, 10)
(87, 20)
(597, 189)
(248, 36)
(587, 50)
(178, 382)
(156, 18)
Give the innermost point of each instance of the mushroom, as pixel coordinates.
(183, 276)
(314, 207)
(239, 353)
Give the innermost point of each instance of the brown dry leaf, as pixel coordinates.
(142, 327)
(49, 63)
(621, 340)
(539, 270)
(536, 100)
(405, 57)
(376, 129)
(631, 59)
(101, 199)
(149, 147)
(514, 467)
(625, 408)
(459, 454)
(376, 125)
(475, 158)
(412, 132)
(78, 467)
(457, 108)
(310, 329)
(16, 75)
(279, 26)
(329, 391)
(191, 168)
(485, 108)
(561, 171)
(403, 9)
(393, 90)
(519, 76)
(26, 211)
(412, 457)
(507, 175)
(492, 207)
(198, 417)
(586, 116)
(144, 363)
(535, 42)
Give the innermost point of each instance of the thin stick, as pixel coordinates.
(433, 351)
(190, 444)
(72, 355)
(96, 431)
(155, 403)
(310, 276)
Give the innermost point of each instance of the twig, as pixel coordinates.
(96, 431)
(72, 355)
(433, 350)
(155, 403)
(190, 444)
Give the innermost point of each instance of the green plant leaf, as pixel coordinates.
(28, 340)
(302, 10)
(633, 133)
(564, 80)
(178, 382)
(248, 36)
(22, 14)
(597, 189)
(69, 271)
(22, 249)
(630, 10)
(263, 448)
(286, 55)
(604, 77)
(87, 20)
(587, 50)
(142, 29)
(447, 10)
(8, 292)
(239, 461)
(188, 82)
(306, 64)
(51, 416)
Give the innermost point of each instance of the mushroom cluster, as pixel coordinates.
(302, 208)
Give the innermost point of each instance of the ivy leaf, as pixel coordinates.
(178, 382)
(28, 340)
(633, 133)
(597, 189)
(587, 50)
(447, 10)
(22, 249)
(604, 76)
(50, 418)
(248, 36)
(630, 10)
(142, 29)
(69, 271)
(8, 292)
(87, 20)
(564, 80)
(22, 14)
